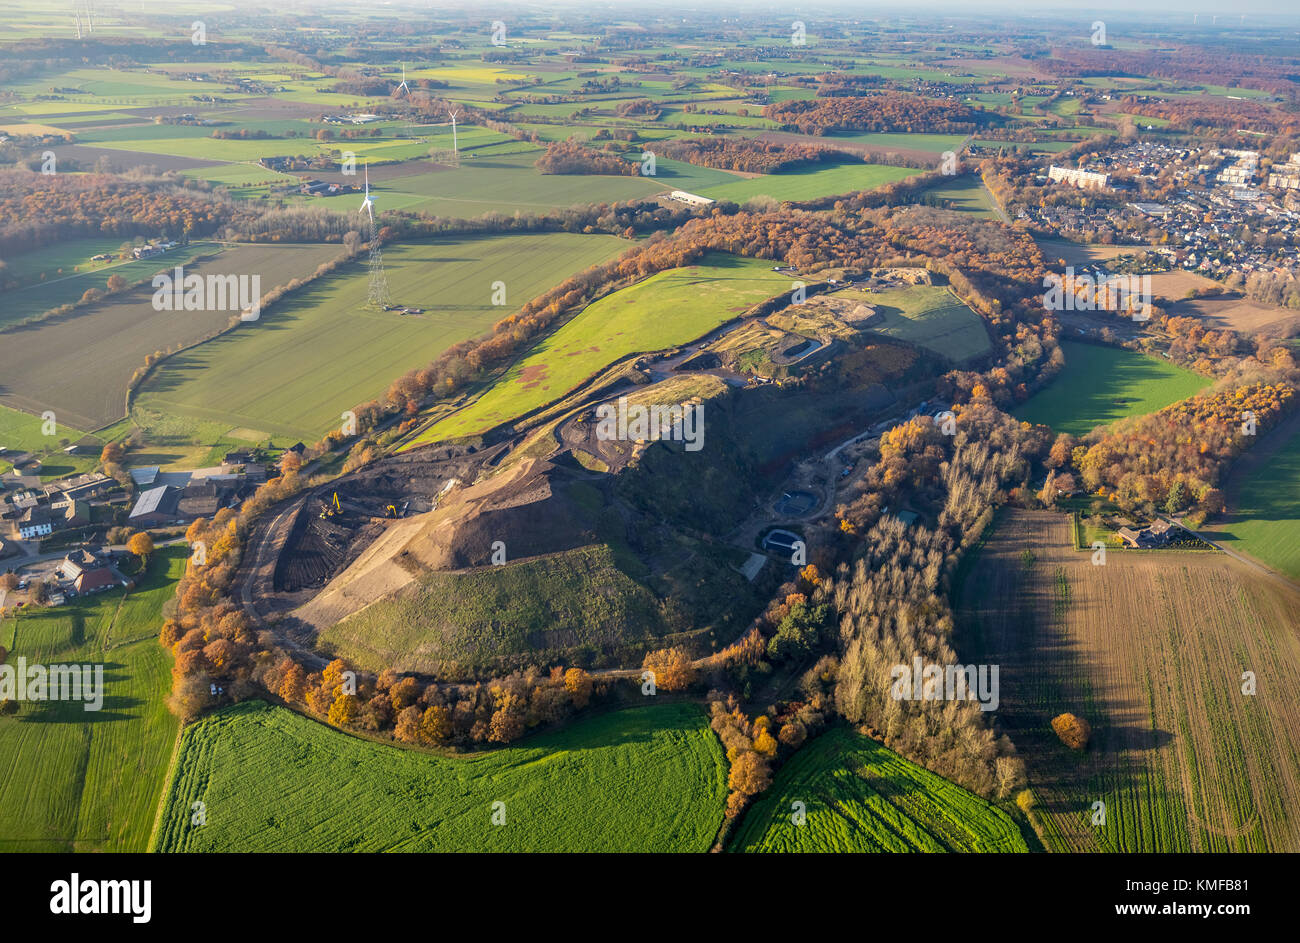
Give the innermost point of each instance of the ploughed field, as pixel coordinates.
(1150, 649)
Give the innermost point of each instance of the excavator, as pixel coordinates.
(332, 508)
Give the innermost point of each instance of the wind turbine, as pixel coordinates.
(454, 146)
(367, 204)
(404, 87)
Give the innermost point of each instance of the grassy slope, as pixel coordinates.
(323, 351)
(931, 317)
(1100, 385)
(664, 310)
(568, 600)
(644, 779)
(861, 797)
(76, 780)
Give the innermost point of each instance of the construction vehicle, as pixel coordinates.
(391, 510)
(332, 508)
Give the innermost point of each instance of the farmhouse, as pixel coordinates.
(78, 562)
(1156, 535)
(155, 507)
(95, 581)
(35, 522)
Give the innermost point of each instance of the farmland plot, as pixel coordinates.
(1150, 649)
(322, 351)
(76, 780)
(79, 366)
(643, 779)
(859, 796)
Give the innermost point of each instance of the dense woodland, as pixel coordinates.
(748, 155)
(875, 111)
(570, 157)
(39, 209)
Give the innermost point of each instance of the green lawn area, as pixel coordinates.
(931, 317)
(965, 193)
(77, 780)
(859, 797)
(809, 184)
(1100, 385)
(664, 310)
(1265, 517)
(322, 351)
(642, 779)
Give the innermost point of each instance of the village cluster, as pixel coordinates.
(1224, 215)
(68, 537)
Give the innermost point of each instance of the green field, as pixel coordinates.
(662, 311)
(573, 600)
(809, 184)
(1100, 385)
(503, 184)
(76, 780)
(1265, 516)
(23, 432)
(80, 365)
(888, 140)
(643, 779)
(859, 796)
(68, 273)
(966, 194)
(322, 351)
(930, 317)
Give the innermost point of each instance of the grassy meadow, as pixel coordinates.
(1101, 385)
(641, 779)
(76, 780)
(859, 797)
(1264, 517)
(809, 183)
(664, 310)
(930, 317)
